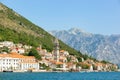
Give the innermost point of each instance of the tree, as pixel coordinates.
(68, 59)
(105, 62)
(33, 52)
(79, 58)
(5, 49)
(44, 66)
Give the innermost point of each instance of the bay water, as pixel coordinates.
(60, 76)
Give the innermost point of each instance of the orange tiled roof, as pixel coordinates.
(62, 51)
(16, 55)
(39, 49)
(58, 63)
(70, 64)
(28, 62)
(98, 64)
(54, 62)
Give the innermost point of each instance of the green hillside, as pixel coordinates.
(16, 28)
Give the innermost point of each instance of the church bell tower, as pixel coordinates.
(56, 50)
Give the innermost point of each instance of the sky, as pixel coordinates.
(94, 16)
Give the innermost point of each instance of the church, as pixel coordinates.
(59, 57)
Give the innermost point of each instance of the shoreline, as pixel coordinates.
(43, 71)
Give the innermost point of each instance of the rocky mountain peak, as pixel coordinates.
(75, 31)
(99, 46)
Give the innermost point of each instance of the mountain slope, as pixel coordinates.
(14, 27)
(98, 46)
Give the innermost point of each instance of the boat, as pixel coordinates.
(29, 70)
(7, 71)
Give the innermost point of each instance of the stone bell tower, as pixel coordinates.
(56, 50)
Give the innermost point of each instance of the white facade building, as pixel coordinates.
(8, 63)
(91, 68)
(16, 62)
(6, 44)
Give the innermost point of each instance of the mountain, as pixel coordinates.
(99, 46)
(16, 28)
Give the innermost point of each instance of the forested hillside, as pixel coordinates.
(14, 27)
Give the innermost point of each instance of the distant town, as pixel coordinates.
(13, 58)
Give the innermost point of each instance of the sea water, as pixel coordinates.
(61, 76)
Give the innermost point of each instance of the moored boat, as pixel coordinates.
(7, 71)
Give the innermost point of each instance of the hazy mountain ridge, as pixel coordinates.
(99, 46)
